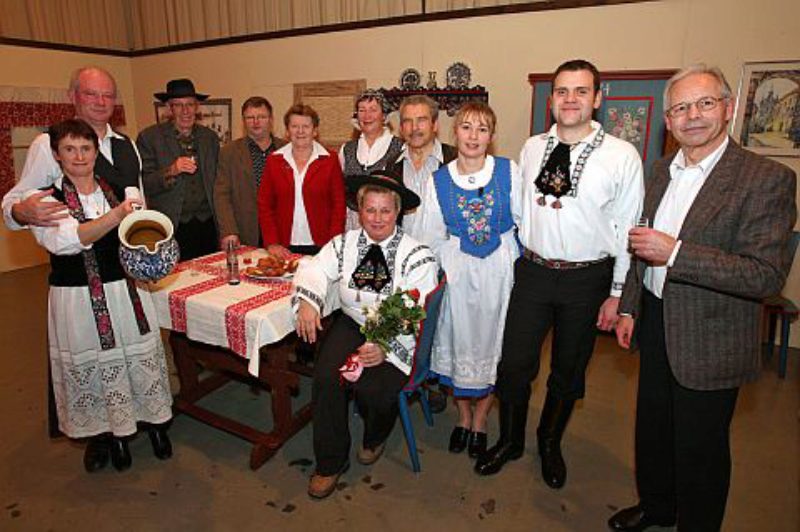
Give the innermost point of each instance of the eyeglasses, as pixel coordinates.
(704, 105)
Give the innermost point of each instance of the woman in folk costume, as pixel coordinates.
(363, 266)
(106, 355)
(375, 149)
(470, 208)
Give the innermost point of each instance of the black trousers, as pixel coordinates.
(566, 300)
(683, 459)
(375, 394)
(197, 238)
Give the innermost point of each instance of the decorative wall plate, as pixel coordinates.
(410, 79)
(458, 76)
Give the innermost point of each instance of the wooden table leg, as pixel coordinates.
(275, 373)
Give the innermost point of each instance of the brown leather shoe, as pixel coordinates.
(320, 486)
(370, 456)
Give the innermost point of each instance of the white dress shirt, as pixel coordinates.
(684, 185)
(42, 170)
(416, 181)
(301, 231)
(593, 224)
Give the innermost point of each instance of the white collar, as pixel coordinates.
(436, 153)
(317, 150)
(596, 127)
(383, 243)
(385, 133)
(708, 162)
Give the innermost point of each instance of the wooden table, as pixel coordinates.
(222, 328)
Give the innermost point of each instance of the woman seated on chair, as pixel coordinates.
(363, 266)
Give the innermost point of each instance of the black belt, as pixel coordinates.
(557, 264)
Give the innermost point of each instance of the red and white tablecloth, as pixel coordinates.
(196, 299)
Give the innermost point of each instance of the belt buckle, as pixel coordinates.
(556, 265)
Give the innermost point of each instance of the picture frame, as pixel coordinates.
(333, 101)
(767, 115)
(632, 109)
(214, 113)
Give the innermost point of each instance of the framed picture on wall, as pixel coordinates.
(215, 114)
(767, 117)
(632, 109)
(333, 101)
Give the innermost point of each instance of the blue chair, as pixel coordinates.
(419, 372)
(784, 307)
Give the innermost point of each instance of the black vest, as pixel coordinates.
(69, 270)
(353, 167)
(125, 170)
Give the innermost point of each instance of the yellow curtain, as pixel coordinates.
(146, 24)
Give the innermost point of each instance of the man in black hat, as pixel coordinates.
(179, 166)
(360, 268)
(582, 192)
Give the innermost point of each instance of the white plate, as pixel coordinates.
(285, 276)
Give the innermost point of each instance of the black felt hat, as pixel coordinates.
(180, 88)
(381, 178)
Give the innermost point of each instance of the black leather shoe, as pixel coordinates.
(554, 470)
(634, 519)
(511, 443)
(555, 414)
(120, 454)
(477, 444)
(162, 447)
(458, 439)
(95, 456)
(493, 460)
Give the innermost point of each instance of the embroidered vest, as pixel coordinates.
(69, 270)
(477, 217)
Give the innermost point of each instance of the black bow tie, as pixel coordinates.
(554, 178)
(373, 271)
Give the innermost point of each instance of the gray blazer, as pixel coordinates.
(734, 253)
(235, 192)
(159, 148)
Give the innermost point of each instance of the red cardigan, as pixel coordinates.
(323, 197)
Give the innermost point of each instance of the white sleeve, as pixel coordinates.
(341, 156)
(432, 229)
(516, 193)
(315, 275)
(40, 170)
(627, 208)
(61, 239)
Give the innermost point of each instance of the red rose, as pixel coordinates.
(414, 294)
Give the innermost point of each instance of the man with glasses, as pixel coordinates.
(722, 218)
(241, 164)
(179, 166)
(93, 92)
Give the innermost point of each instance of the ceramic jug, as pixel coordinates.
(148, 250)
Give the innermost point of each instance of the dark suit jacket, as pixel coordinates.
(159, 148)
(448, 154)
(323, 199)
(235, 192)
(734, 253)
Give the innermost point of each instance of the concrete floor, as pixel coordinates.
(208, 485)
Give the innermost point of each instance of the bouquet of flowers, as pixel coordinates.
(398, 314)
